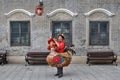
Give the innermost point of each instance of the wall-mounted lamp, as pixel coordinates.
(41, 2)
(39, 8)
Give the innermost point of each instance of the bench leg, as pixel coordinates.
(2, 63)
(86, 62)
(5, 61)
(116, 63)
(27, 63)
(89, 63)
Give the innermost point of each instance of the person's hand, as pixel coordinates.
(54, 39)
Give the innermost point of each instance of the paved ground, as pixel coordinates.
(72, 72)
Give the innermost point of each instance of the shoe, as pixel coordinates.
(56, 74)
(60, 75)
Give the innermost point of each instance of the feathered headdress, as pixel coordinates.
(62, 35)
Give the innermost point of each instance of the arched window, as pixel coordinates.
(98, 26)
(62, 22)
(19, 21)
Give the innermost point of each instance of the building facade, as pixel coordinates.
(88, 24)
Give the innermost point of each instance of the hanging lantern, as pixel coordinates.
(39, 8)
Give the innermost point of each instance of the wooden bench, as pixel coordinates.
(101, 57)
(36, 57)
(3, 57)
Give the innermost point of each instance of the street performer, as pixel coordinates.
(60, 45)
(59, 56)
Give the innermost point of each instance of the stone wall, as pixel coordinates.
(40, 25)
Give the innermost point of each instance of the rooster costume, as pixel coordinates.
(57, 57)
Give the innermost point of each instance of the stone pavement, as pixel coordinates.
(72, 72)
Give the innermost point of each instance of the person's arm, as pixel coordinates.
(56, 42)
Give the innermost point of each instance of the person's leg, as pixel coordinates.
(57, 72)
(60, 71)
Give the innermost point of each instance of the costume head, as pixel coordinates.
(51, 43)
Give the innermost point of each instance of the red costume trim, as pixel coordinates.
(51, 44)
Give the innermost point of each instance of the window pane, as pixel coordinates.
(68, 39)
(94, 39)
(15, 39)
(103, 27)
(20, 33)
(65, 31)
(14, 27)
(24, 27)
(25, 38)
(99, 33)
(65, 25)
(93, 26)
